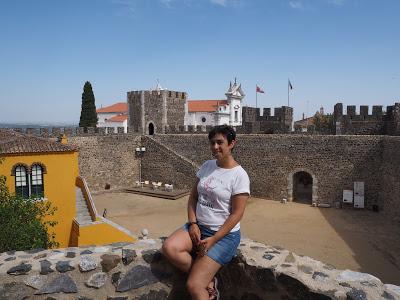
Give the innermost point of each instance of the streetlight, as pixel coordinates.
(139, 151)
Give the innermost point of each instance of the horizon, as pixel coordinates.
(331, 50)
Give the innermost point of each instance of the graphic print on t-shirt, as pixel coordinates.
(208, 185)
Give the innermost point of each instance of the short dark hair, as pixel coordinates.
(225, 130)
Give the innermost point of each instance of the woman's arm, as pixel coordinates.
(238, 207)
(194, 230)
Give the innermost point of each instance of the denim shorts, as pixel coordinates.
(225, 249)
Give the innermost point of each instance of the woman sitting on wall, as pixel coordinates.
(216, 205)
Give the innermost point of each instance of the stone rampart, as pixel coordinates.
(364, 123)
(161, 163)
(254, 122)
(390, 170)
(139, 271)
(108, 160)
(334, 162)
(55, 132)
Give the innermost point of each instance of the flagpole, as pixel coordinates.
(288, 92)
(256, 95)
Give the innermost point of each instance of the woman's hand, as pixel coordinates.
(205, 245)
(194, 233)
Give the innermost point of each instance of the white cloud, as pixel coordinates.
(166, 2)
(337, 2)
(126, 7)
(296, 4)
(311, 4)
(220, 2)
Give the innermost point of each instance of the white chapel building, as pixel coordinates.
(113, 116)
(217, 112)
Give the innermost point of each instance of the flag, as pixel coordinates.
(290, 84)
(259, 90)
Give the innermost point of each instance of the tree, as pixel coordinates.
(88, 108)
(24, 223)
(323, 123)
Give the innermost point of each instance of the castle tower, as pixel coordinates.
(152, 111)
(234, 96)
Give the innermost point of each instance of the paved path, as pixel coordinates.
(348, 239)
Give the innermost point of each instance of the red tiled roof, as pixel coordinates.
(119, 118)
(120, 107)
(205, 105)
(12, 142)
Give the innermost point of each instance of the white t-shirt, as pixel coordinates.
(215, 189)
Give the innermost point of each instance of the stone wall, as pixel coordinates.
(162, 163)
(335, 162)
(162, 108)
(108, 159)
(390, 169)
(139, 271)
(375, 123)
(253, 122)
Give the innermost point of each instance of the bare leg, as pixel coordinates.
(201, 273)
(177, 248)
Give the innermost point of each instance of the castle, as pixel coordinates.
(164, 111)
(155, 110)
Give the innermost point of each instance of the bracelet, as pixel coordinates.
(191, 223)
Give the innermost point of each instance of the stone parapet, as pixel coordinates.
(364, 123)
(139, 271)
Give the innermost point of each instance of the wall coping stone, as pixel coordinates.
(140, 271)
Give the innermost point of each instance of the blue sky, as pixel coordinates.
(332, 51)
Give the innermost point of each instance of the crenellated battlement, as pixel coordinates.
(367, 121)
(55, 132)
(254, 122)
(169, 94)
(376, 112)
(70, 131)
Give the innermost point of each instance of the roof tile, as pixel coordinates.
(12, 142)
(205, 105)
(120, 107)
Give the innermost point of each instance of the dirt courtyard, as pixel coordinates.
(348, 239)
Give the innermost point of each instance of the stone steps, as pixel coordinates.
(82, 211)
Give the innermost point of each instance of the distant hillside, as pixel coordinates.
(27, 125)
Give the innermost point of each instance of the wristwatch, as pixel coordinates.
(191, 223)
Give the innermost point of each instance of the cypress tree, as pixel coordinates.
(88, 108)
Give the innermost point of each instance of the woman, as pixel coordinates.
(216, 205)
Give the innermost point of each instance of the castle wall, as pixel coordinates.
(167, 165)
(390, 170)
(108, 159)
(253, 122)
(364, 123)
(335, 162)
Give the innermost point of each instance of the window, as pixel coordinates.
(37, 181)
(29, 180)
(21, 182)
(203, 119)
(236, 116)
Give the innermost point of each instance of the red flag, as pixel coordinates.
(259, 90)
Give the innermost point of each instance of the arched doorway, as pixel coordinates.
(302, 187)
(151, 128)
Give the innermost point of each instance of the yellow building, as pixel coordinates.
(48, 171)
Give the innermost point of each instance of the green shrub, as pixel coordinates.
(24, 223)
